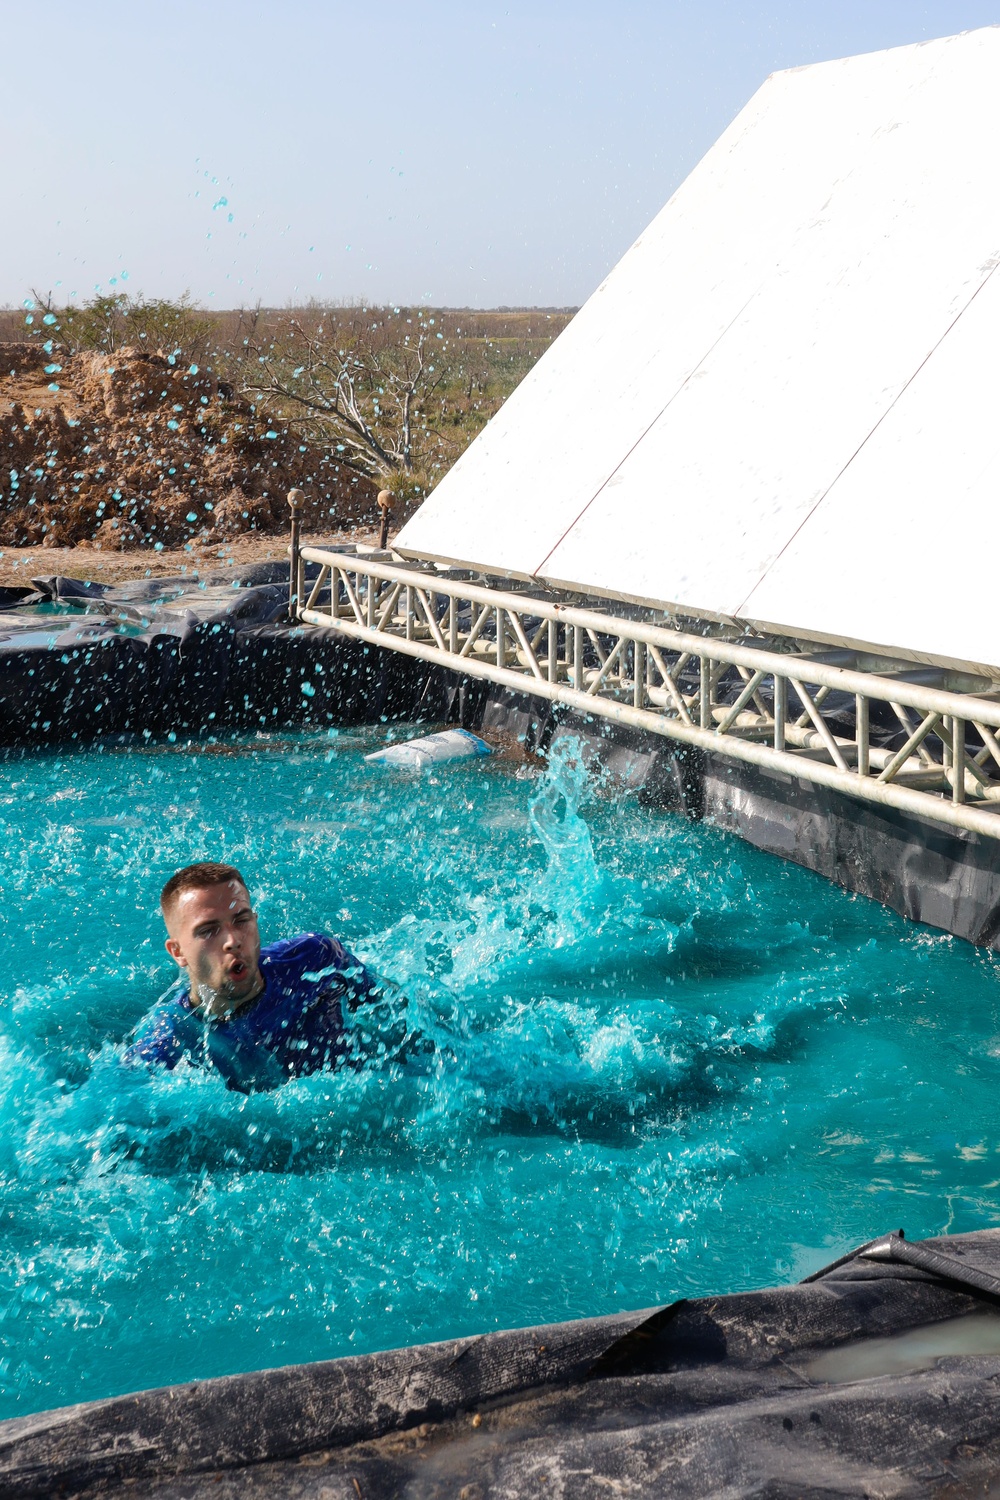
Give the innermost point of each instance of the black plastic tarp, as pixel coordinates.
(80, 662)
(881, 1378)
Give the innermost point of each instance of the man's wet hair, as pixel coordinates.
(198, 878)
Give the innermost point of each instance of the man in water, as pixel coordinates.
(259, 1016)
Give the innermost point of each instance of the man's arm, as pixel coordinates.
(159, 1039)
(340, 975)
(373, 1010)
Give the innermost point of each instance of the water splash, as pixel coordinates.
(571, 880)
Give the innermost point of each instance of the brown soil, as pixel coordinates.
(134, 451)
(18, 565)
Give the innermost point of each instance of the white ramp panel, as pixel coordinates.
(902, 549)
(648, 328)
(729, 378)
(784, 403)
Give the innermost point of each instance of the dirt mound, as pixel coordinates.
(132, 449)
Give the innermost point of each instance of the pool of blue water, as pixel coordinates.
(668, 1065)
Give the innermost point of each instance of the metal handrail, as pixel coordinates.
(821, 674)
(614, 667)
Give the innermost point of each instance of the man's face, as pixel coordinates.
(213, 934)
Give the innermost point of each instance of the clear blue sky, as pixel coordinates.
(459, 153)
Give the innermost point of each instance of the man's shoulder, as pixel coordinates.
(174, 1005)
(314, 966)
(306, 951)
(161, 1035)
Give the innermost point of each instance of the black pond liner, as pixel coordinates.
(879, 1376)
(82, 662)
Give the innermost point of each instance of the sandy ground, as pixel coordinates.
(18, 565)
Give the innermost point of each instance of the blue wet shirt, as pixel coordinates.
(297, 1024)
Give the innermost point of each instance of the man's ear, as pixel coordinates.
(173, 947)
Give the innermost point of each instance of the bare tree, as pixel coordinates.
(359, 383)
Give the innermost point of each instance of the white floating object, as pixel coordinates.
(432, 749)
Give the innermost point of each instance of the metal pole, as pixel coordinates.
(855, 760)
(871, 684)
(295, 499)
(384, 503)
(780, 710)
(705, 693)
(862, 734)
(958, 759)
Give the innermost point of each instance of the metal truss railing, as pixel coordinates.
(925, 740)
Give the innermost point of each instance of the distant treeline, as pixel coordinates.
(107, 322)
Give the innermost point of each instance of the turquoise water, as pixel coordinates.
(669, 1065)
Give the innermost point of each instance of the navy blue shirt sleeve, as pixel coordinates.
(325, 966)
(159, 1038)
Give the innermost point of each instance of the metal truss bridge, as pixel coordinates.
(924, 740)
